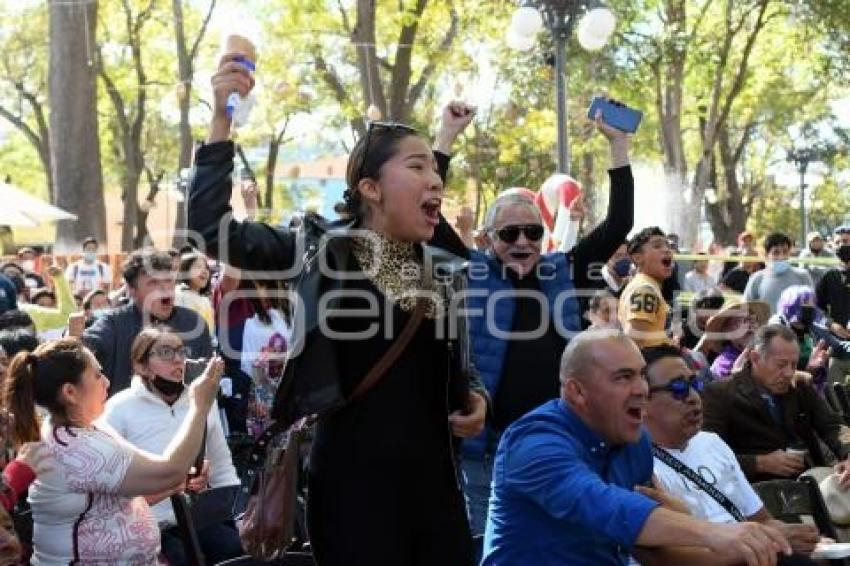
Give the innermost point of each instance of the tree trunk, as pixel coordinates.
(186, 72)
(669, 73)
(364, 39)
(186, 55)
(75, 146)
(142, 213)
(721, 103)
(130, 191)
(729, 215)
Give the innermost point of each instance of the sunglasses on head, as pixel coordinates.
(392, 126)
(680, 387)
(510, 234)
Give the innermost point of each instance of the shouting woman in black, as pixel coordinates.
(383, 484)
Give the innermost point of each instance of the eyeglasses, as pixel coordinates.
(510, 234)
(680, 387)
(374, 126)
(169, 353)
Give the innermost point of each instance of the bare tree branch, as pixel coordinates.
(346, 23)
(202, 32)
(417, 89)
(114, 95)
(332, 80)
(743, 66)
(400, 102)
(698, 21)
(384, 63)
(21, 125)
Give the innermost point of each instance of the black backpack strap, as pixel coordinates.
(684, 470)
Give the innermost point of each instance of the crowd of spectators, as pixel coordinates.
(633, 392)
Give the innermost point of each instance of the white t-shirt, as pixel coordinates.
(149, 423)
(711, 458)
(696, 282)
(264, 350)
(264, 343)
(85, 277)
(76, 509)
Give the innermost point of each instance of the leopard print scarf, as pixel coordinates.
(396, 270)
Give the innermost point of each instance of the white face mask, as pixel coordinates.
(97, 313)
(89, 257)
(28, 264)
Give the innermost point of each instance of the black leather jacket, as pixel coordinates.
(311, 381)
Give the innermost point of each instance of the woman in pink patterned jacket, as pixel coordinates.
(87, 508)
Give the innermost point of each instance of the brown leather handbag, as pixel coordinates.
(268, 525)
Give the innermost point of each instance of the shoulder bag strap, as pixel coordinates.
(390, 356)
(258, 450)
(684, 470)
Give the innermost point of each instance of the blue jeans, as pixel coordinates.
(219, 542)
(477, 477)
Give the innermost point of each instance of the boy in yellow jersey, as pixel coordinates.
(642, 310)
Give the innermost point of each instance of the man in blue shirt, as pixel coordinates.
(564, 475)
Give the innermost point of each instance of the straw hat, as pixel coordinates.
(759, 310)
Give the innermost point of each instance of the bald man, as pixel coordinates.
(565, 474)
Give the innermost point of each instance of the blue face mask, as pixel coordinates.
(780, 266)
(623, 267)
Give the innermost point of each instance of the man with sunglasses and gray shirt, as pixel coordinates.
(523, 309)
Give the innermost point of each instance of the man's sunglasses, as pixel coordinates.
(680, 387)
(392, 126)
(510, 234)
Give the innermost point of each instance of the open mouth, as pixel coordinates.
(635, 413)
(520, 256)
(667, 262)
(431, 208)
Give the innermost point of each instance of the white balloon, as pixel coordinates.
(601, 22)
(588, 39)
(519, 42)
(526, 21)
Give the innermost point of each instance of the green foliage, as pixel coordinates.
(19, 161)
(795, 70)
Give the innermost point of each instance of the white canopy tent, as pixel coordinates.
(18, 208)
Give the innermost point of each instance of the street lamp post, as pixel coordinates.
(801, 160)
(559, 17)
(801, 157)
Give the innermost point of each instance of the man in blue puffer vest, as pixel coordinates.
(523, 309)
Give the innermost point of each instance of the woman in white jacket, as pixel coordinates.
(148, 413)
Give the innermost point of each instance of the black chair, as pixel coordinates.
(291, 559)
(797, 501)
(839, 392)
(183, 515)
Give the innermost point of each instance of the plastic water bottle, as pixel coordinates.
(239, 107)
